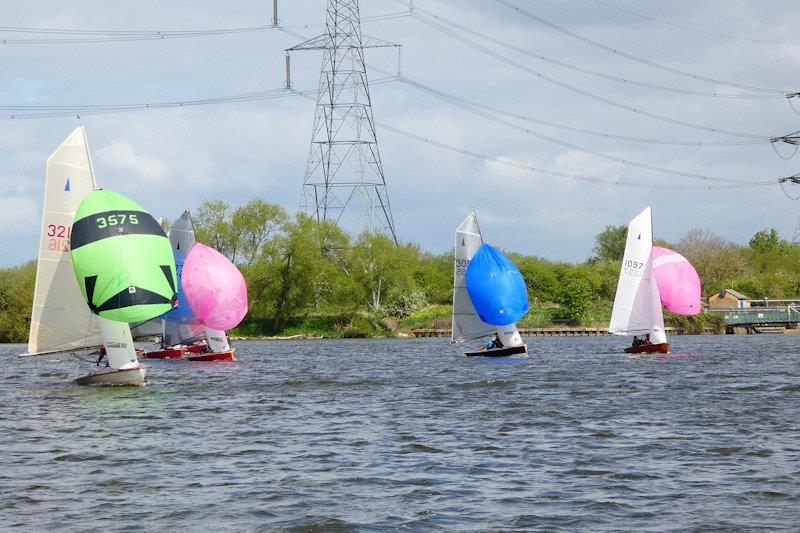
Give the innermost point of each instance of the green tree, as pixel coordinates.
(16, 301)
(573, 300)
(610, 243)
(716, 259)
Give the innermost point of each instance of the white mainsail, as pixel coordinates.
(637, 304)
(60, 318)
(118, 342)
(466, 323)
(217, 340)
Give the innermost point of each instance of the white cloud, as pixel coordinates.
(121, 155)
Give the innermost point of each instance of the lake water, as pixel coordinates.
(384, 435)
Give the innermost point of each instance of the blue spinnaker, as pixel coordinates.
(180, 324)
(496, 287)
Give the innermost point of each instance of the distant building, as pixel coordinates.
(728, 299)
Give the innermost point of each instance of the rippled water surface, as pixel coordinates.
(409, 434)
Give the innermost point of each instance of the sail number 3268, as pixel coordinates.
(114, 220)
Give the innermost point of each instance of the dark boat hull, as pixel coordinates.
(649, 348)
(510, 351)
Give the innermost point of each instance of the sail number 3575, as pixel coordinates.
(117, 219)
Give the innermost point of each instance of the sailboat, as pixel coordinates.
(61, 322)
(217, 295)
(126, 274)
(637, 304)
(179, 326)
(489, 294)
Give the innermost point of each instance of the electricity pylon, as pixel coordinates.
(344, 166)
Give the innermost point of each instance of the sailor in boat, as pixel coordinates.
(101, 355)
(494, 342)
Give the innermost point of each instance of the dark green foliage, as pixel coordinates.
(574, 300)
(611, 243)
(312, 278)
(708, 323)
(16, 300)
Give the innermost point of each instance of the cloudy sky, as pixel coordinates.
(172, 159)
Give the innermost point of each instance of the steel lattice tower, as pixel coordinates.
(344, 168)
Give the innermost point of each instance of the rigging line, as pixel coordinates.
(582, 92)
(594, 72)
(689, 28)
(633, 57)
(522, 166)
(473, 103)
(466, 107)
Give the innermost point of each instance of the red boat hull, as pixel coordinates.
(649, 348)
(166, 353)
(213, 356)
(196, 348)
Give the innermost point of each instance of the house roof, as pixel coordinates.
(732, 292)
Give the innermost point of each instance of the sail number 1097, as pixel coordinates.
(117, 219)
(633, 268)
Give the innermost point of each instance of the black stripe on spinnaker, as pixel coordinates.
(168, 274)
(109, 224)
(131, 296)
(89, 282)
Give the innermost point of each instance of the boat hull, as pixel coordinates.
(167, 353)
(509, 351)
(196, 348)
(662, 347)
(213, 356)
(115, 378)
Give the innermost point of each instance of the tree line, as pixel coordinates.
(306, 276)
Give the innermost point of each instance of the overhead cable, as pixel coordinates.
(634, 57)
(74, 36)
(524, 51)
(578, 90)
(689, 28)
(577, 177)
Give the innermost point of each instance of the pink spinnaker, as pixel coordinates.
(677, 280)
(214, 288)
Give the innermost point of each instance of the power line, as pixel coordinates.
(75, 36)
(594, 72)
(577, 177)
(637, 58)
(689, 28)
(604, 135)
(51, 111)
(582, 92)
(445, 97)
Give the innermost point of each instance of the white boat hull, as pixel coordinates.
(115, 378)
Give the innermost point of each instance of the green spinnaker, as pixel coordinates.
(122, 259)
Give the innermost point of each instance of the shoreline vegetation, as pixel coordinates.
(309, 279)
